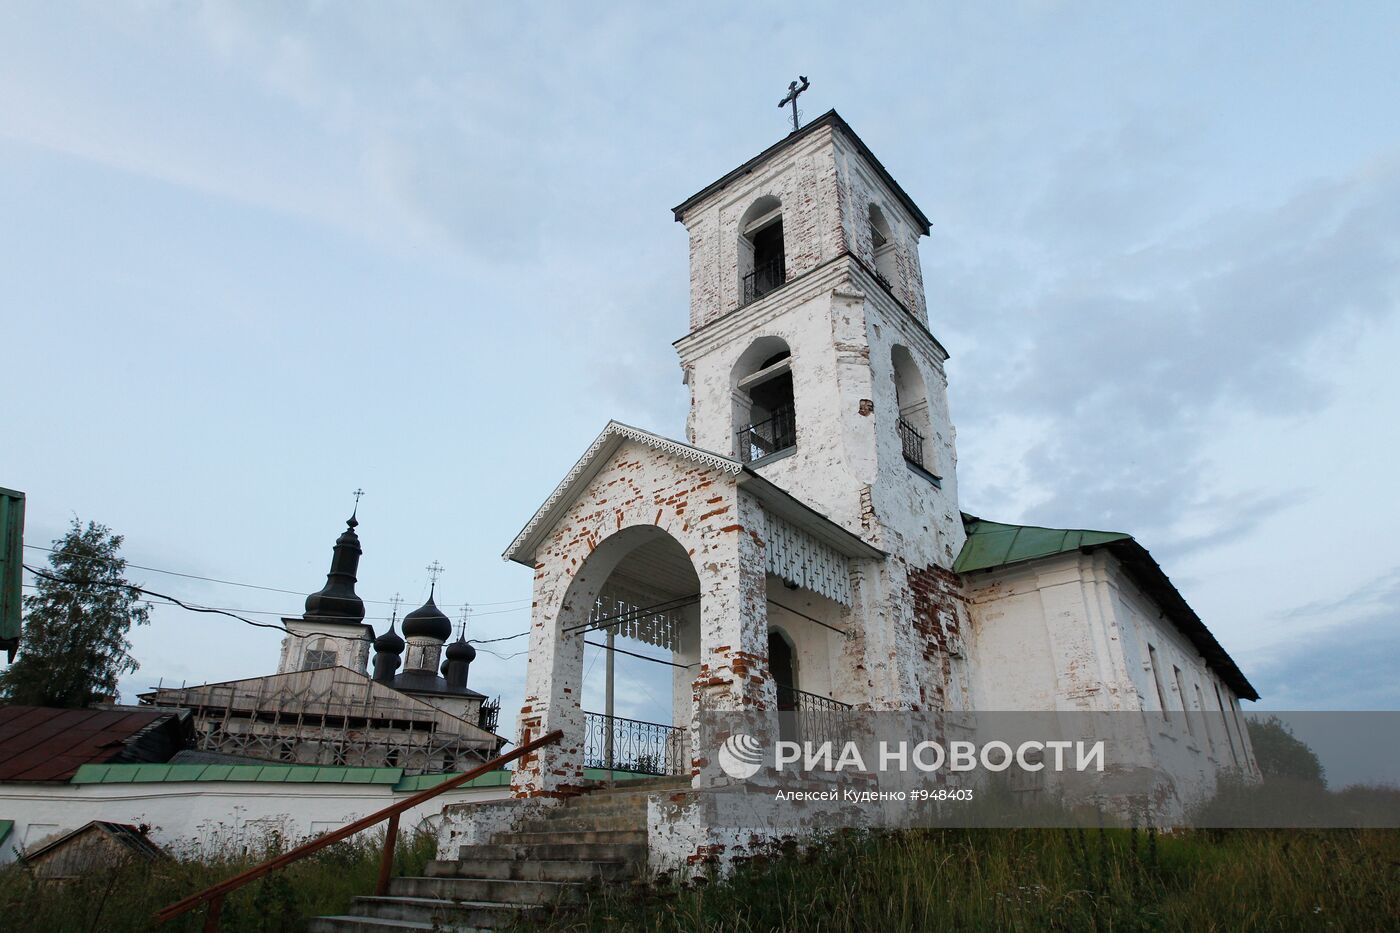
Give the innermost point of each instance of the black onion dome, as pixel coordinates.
(427, 621)
(337, 600)
(461, 650)
(389, 642)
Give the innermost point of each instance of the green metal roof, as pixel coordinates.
(993, 544)
(272, 774)
(259, 774)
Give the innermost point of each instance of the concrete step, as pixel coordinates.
(571, 851)
(347, 924)
(503, 891)
(590, 803)
(550, 837)
(572, 870)
(648, 786)
(480, 915)
(579, 822)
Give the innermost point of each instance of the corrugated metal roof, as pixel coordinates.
(39, 743)
(994, 544)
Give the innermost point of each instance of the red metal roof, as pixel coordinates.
(42, 744)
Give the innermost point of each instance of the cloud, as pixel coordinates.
(1346, 665)
(1129, 361)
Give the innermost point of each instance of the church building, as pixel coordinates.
(324, 707)
(802, 548)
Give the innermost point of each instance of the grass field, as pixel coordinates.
(1036, 879)
(126, 898)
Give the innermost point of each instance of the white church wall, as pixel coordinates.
(1013, 667)
(209, 818)
(1218, 737)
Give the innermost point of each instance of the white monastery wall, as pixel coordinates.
(207, 818)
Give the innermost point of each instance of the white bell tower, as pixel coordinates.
(810, 356)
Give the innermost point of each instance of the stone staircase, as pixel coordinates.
(599, 837)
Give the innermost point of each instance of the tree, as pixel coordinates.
(74, 646)
(1281, 754)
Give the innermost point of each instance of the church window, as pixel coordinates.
(882, 246)
(765, 417)
(762, 258)
(319, 656)
(1181, 695)
(1157, 680)
(1234, 756)
(911, 399)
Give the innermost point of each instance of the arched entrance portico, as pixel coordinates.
(646, 589)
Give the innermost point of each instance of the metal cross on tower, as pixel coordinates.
(793, 90)
(395, 602)
(434, 571)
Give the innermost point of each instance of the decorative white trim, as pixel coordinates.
(614, 434)
(797, 556)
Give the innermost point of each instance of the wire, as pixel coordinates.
(676, 602)
(234, 615)
(635, 655)
(273, 589)
(803, 615)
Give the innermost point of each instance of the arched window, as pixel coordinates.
(915, 434)
(762, 261)
(882, 245)
(765, 420)
(319, 655)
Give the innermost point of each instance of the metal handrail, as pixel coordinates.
(765, 277)
(214, 895)
(912, 440)
(772, 434)
(616, 743)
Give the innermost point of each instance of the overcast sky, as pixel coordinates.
(255, 256)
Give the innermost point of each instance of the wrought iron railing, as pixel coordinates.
(809, 717)
(778, 432)
(764, 278)
(912, 442)
(616, 743)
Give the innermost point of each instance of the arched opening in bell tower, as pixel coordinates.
(911, 398)
(761, 255)
(882, 245)
(765, 418)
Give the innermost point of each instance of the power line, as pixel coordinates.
(270, 589)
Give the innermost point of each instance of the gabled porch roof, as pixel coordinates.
(776, 500)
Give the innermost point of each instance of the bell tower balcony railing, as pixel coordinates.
(913, 443)
(765, 277)
(767, 437)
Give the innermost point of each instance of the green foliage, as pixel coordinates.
(74, 646)
(125, 898)
(1281, 754)
(1032, 880)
